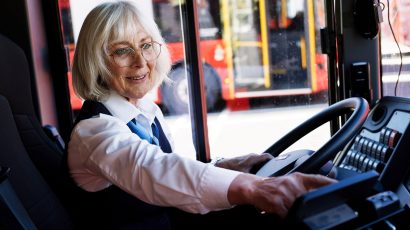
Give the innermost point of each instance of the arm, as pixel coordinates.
(103, 151)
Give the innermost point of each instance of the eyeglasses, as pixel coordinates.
(125, 57)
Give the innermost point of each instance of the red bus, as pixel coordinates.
(249, 49)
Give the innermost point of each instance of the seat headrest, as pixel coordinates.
(15, 82)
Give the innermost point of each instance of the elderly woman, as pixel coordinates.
(120, 153)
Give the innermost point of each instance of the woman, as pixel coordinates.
(120, 152)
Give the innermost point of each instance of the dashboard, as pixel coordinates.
(374, 177)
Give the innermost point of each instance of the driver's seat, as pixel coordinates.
(37, 198)
(34, 160)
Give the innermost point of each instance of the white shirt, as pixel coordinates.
(103, 151)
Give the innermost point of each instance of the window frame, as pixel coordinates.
(196, 88)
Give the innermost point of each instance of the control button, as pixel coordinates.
(356, 142)
(360, 145)
(378, 166)
(373, 149)
(352, 157)
(378, 151)
(383, 204)
(386, 153)
(393, 138)
(361, 160)
(364, 165)
(374, 165)
(365, 144)
(387, 136)
(370, 164)
(347, 158)
(349, 167)
(382, 134)
(383, 153)
(356, 160)
(369, 147)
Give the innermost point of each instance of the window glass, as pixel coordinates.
(272, 76)
(395, 37)
(172, 97)
(263, 71)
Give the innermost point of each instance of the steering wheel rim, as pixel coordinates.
(336, 143)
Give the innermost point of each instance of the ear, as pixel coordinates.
(367, 16)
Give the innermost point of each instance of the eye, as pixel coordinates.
(146, 46)
(123, 51)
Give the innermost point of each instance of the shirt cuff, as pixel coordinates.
(215, 185)
(215, 160)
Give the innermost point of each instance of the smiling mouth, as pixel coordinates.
(136, 78)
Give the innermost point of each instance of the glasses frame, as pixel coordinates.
(140, 52)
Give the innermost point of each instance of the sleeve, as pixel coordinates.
(103, 151)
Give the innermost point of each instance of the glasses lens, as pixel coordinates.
(151, 51)
(123, 57)
(126, 57)
(123, 61)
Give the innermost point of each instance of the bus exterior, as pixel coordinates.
(249, 49)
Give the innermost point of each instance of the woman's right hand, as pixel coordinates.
(273, 194)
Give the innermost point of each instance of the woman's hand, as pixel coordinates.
(244, 163)
(276, 194)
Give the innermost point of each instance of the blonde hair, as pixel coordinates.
(107, 22)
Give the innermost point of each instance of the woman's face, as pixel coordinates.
(132, 73)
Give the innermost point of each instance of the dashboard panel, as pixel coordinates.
(373, 169)
(382, 143)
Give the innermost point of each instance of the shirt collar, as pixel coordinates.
(126, 111)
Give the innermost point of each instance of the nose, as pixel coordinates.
(138, 60)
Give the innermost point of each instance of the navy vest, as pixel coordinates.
(112, 208)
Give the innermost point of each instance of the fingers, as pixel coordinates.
(253, 157)
(256, 161)
(277, 194)
(314, 181)
(245, 163)
(265, 157)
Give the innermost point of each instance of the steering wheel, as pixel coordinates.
(313, 161)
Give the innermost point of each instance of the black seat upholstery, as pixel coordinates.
(39, 200)
(34, 159)
(15, 85)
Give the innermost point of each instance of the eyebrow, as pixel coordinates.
(145, 39)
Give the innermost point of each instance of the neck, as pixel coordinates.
(132, 101)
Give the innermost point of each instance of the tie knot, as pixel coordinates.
(150, 135)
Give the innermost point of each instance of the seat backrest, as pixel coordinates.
(15, 85)
(43, 207)
(34, 159)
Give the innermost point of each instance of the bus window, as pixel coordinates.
(168, 20)
(275, 75)
(259, 57)
(167, 15)
(395, 38)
